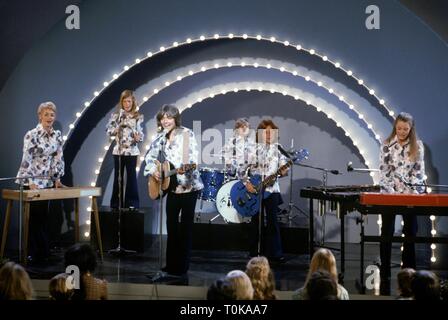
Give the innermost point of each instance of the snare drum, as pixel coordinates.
(213, 179)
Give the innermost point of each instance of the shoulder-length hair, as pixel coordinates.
(170, 111)
(262, 278)
(263, 125)
(413, 146)
(323, 259)
(15, 284)
(126, 94)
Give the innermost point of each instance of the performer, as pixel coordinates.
(42, 156)
(238, 150)
(176, 144)
(401, 168)
(125, 126)
(268, 161)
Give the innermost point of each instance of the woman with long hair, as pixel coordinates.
(402, 170)
(125, 125)
(322, 260)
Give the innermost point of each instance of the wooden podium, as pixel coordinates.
(49, 194)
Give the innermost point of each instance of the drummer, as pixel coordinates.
(239, 150)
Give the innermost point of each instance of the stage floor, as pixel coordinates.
(207, 266)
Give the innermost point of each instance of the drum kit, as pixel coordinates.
(217, 186)
(232, 200)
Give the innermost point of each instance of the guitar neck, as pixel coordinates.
(270, 179)
(175, 171)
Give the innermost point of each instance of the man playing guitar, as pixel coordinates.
(178, 146)
(269, 161)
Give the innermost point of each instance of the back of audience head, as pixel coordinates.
(58, 288)
(82, 256)
(404, 280)
(425, 286)
(241, 285)
(221, 289)
(262, 278)
(15, 284)
(323, 259)
(322, 286)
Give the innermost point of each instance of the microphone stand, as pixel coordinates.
(291, 204)
(160, 275)
(120, 251)
(21, 189)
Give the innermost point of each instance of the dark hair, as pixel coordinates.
(82, 256)
(170, 111)
(263, 125)
(221, 289)
(322, 286)
(413, 146)
(425, 286)
(404, 279)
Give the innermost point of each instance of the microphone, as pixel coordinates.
(349, 166)
(120, 115)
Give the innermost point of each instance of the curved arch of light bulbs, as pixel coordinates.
(258, 63)
(188, 41)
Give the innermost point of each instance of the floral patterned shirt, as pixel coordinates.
(42, 155)
(269, 160)
(239, 153)
(189, 181)
(130, 126)
(397, 170)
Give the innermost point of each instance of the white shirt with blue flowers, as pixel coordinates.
(397, 170)
(130, 125)
(175, 153)
(239, 154)
(269, 160)
(42, 156)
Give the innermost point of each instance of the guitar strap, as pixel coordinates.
(186, 147)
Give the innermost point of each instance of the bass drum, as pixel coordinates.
(224, 204)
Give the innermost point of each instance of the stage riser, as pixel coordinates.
(235, 237)
(132, 230)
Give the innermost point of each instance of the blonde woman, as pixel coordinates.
(241, 284)
(323, 260)
(42, 156)
(58, 288)
(15, 284)
(125, 126)
(262, 278)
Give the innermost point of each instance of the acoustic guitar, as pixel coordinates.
(166, 184)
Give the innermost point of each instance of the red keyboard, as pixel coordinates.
(405, 200)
